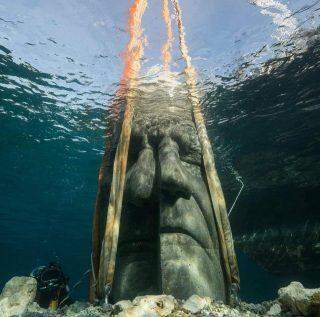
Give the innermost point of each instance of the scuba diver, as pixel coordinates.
(52, 286)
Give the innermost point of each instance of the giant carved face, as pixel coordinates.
(168, 241)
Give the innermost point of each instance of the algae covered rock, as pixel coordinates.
(195, 303)
(275, 310)
(149, 305)
(76, 308)
(16, 295)
(17, 299)
(123, 304)
(300, 300)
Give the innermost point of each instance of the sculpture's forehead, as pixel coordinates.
(163, 103)
(160, 114)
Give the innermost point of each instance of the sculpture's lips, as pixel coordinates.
(182, 231)
(144, 245)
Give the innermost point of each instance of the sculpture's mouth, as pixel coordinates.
(180, 231)
(182, 217)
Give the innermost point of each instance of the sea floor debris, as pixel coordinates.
(17, 299)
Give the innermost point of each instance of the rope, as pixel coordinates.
(75, 286)
(93, 273)
(166, 48)
(237, 197)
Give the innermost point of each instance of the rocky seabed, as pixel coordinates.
(17, 299)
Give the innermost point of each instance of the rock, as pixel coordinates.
(300, 300)
(150, 306)
(34, 310)
(76, 307)
(94, 311)
(258, 309)
(16, 295)
(195, 303)
(4, 303)
(123, 304)
(91, 311)
(222, 310)
(138, 311)
(275, 310)
(16, 300)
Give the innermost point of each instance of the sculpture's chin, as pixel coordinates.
(190, 263)
(187, 268)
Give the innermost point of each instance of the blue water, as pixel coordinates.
(60, 64)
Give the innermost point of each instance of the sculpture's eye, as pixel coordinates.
(180, 135)
(137, 144)
(186, 138)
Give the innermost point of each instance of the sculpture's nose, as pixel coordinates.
(173, 177)
(140, 177)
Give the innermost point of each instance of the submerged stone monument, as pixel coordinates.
(168, 241)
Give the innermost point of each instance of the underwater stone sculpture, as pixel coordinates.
(168, 241)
